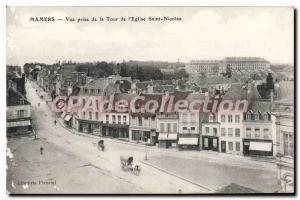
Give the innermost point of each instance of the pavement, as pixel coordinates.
(167, 171)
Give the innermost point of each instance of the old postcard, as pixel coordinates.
(150, 100)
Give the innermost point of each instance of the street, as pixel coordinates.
(71, 163)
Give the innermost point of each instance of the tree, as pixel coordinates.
(269, 82)
(228, 71)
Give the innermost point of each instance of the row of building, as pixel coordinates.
(252, 132)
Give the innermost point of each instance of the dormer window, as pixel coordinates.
(248, 116)
(211, 118)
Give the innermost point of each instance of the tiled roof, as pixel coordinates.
(204, 81)
(14, 98)
(245, 59)
(241, 91)
(143, 85)
(262, 106)
(164, 88)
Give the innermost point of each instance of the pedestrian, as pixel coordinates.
(39, 104)
(55, 122)
(41, 150)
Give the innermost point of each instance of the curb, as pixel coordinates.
(172, 174)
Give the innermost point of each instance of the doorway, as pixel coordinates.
(223, 146)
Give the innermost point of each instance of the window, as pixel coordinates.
(223, 132)
(193, 117)
(162, 127)
(83, 115)
(205, 142)
(175, 127)
(237, 119)
(114, 119)
(237, 132)
(193, 128)
(215, 131)
(229, 118)
(212, 118)
(248, 132)
(248, 117)
(288, 144)
(266, 133)
(184, 117)
(107, 118)
(266, 116)
(153, 118)
(222, 118)
(168, 127)
(21, 113)
(140, 121)
(237, 146)
(230, 132)
(257, 133)
(207, 130)
(215, 143)
(230, 146)
(184, 128)
(96, 115)
(124, 119)
(119, 119)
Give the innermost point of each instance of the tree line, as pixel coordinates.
(141, 72)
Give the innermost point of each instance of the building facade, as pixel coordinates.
(18, 114)
(167, 128)
(284, 113)
(235, 64)
(203, 66)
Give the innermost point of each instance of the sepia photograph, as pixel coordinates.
(150, 100)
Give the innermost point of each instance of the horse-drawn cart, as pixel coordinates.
(127, 165)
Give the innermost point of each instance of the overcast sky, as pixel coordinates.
(203, 33)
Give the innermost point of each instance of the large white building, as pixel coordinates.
(236, 64)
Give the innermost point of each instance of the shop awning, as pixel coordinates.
(165, 136)
(260, 146)
(18, 123)
(63, 115)
(188, 141)
(68, 117)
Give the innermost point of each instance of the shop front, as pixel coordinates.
(167, 140)
(20, 127)
(210, 143)
(188, 143)
(115, 130)
(90, 127)
(257, 147)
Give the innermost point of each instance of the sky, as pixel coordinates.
(203, 33)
